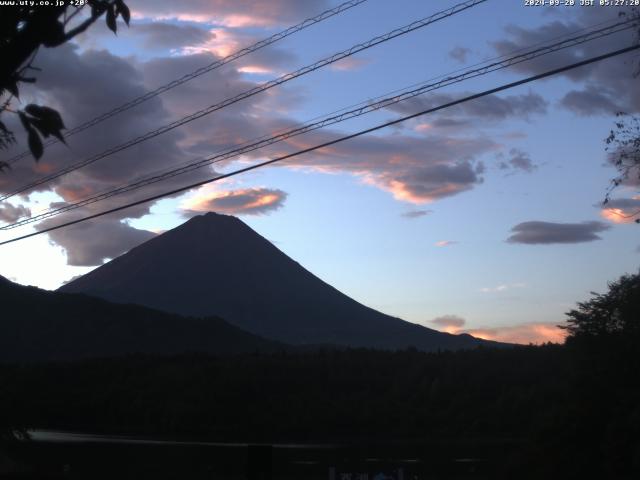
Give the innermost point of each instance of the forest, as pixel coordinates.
(571, 409)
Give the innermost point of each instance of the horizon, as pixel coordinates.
(484, 219)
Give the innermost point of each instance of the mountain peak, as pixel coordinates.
(216, 265)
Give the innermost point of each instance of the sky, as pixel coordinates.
(483, 218)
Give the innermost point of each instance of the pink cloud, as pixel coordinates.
(248, 201)
(445, 243)
(230, 13)
(536, 333)
(350, 64)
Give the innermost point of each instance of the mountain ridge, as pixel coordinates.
(39, 325)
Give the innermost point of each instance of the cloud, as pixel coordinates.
(412, 169)
(10, 213)
(163, 35)
(488, 108)
(231, 13)
(91, 243)
(591, 101)
(536, 333)
(607, 85)
(459, 54)
(248, 201)
(445, 243)
(545, 233)
(518, 160)
(622, 210)
(416, 213)
(449, 323)
(350, 64)
(502, 288)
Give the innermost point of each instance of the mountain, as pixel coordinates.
(38, 325)
(216, 265)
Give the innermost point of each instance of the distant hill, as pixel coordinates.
(38, 325)
(216, 265)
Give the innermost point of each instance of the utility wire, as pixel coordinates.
(501, 88)
(362, 109)
(200, 71)
(254, 91)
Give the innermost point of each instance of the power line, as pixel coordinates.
(362, 109)
(200, 71)
(254, 91)
(533, 78)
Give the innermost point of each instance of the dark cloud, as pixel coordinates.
(416, 213)
(92, 242)
(517, 160)
(490, 108)
(248, 201)
(591, 101)
(451, 321)
(10, 213)
(459, 54)
(609, 83)
(163, 35)
(537, 233)
(624, 203)
(416, 170)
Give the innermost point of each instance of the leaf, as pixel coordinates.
(52, 34)
(124, 11)
(111, 19)
(46, 113)
(41, 126)
(26, 122)
(35, 144)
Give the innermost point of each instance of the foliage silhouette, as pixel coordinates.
(23, 30)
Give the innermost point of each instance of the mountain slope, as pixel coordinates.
(37, 325)
(216, 265)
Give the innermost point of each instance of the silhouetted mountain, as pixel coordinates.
(216, 265)
(38, 325)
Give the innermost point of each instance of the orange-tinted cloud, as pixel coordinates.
(449, 323)
(248, 201)
(622, 210)
(536, 333)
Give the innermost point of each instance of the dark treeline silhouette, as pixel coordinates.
(38, 325)
(563, 415)
(566, 411)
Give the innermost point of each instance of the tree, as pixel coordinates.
(23, 30)
(623, 143)
(612, 314)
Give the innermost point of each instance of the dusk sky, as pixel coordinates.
(483, 218)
